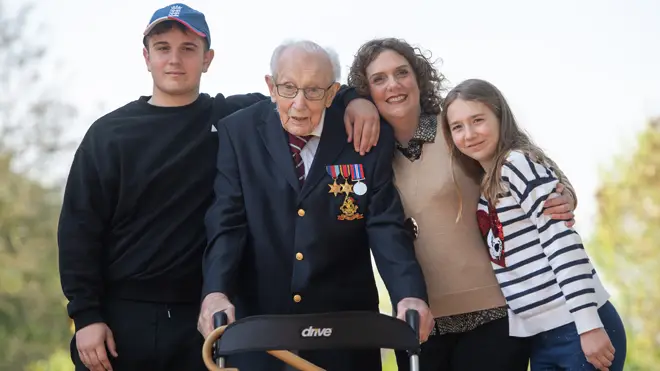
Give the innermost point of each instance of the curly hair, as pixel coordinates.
(430, 81)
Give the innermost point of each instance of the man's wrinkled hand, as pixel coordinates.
(213, 303)
(425, 315)
(91, 342)
(561, 206)
(362, 122)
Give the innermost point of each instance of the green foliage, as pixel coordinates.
(389, 360)
(59, 361)
(626, 245)
(33, 321)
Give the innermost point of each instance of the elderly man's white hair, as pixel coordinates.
(308, 46)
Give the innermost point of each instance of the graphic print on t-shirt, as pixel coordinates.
(491, 230)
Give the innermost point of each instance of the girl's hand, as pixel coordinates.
(598, 348)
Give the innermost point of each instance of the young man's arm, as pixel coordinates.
(87, 208)
(237, 102)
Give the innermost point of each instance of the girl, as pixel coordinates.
(553, 293)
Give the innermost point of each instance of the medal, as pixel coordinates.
(357, 173)
(359, 188)
(349, 210)
(333, 171)
(345, 171)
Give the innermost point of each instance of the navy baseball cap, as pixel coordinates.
(187, 16)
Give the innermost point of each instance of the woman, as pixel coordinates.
(472, 331)
(554, 295)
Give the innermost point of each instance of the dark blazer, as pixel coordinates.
(275, 248)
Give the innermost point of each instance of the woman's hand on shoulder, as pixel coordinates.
(362, 122)
(561, 207)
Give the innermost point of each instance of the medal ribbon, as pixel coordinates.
(332, 170)
(357, 172)
(345, 171)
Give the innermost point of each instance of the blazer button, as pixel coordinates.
(299, 256)
(297, 298)
(301, 212)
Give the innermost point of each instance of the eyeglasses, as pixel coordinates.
(291, 91)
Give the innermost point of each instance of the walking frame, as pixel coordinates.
(277, 334)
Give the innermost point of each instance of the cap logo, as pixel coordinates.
(175, 10)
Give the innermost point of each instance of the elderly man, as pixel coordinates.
(297, 212)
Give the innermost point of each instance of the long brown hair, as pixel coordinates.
(430, 81)
(512, 137)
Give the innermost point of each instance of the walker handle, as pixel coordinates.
(219, 319)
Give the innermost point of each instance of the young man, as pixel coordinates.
(131, 232)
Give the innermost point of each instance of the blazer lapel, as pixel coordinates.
(333, 141)
(272, 134)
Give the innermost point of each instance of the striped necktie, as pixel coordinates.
(296, 144)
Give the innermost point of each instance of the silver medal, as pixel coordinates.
(360, 188)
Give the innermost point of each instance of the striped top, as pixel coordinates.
(542, 267)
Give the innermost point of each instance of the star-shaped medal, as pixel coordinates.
(335, 188)
(346, 188)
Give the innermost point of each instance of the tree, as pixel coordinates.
(33, 321)
(31, 113)
(626, 245)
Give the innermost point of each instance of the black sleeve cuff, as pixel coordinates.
(86, 318)
(417, 293)
(215, 287)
